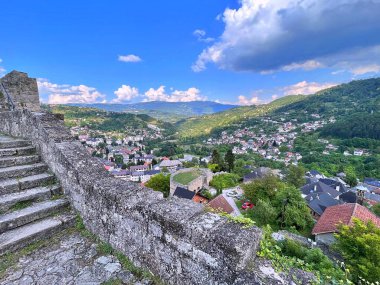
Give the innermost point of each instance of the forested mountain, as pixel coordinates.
(203, 125)
(355, 105)
(105, 121)
(164, 110)
(357, 125)
(342, 100)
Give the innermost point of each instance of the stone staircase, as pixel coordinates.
(32, 206)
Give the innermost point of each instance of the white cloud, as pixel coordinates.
(271, 35)
(2, 69)
(125, 93)
(159, 94)
(307, 65)
(303, 87)
(64, 93)
(306, 88)
(371, 68)
(129, 58)
(201, 36)
(243, 100)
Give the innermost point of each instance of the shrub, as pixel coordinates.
(292, 248)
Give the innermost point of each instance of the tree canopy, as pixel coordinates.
(359, 246)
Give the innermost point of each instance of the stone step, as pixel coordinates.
(18, 160)
(30, 214)
(20, 171)
(34, 194)
(20, 237)
(12, 143)
(17, 151)
(12, 185)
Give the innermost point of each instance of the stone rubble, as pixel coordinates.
(73, 260)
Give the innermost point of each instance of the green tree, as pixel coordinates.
(224, 181)
(292, 209)
(376, 209)
(262, 189)
(351, 179)
(359, 247)
(216, 158)
(119, 159)
(160, 182)
(296, 176)
(229, 158)
(263, 213)
(213, 167)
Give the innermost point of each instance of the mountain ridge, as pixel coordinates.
(180, 109)
(341, 101)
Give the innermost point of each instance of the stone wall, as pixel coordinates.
(22, 89)
(174, 239)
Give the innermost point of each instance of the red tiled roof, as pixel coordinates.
(334, 215)
(221, 204)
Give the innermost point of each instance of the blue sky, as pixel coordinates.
(245, 52)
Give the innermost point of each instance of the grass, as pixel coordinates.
(186, 177)
(113, 282)
(20, 205)
(104, 248)
(10, 259)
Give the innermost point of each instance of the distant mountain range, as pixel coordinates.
(161, 109)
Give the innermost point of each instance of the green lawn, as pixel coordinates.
(186, 177)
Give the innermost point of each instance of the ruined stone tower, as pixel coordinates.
(19, 91)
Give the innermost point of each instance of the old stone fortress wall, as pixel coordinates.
(174, 239)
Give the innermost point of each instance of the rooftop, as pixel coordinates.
(333, 216)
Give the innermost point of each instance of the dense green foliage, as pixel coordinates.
(296, 176)
(278, 204)
(224, 181)
(359, 246)
(288, 254)
(330, 165)
(160, 182)
(361, 96)
(360, 125)
(168, 149)
(376, 209)
(229, 159)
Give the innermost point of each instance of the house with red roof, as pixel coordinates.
(333, 216)
(223, 203)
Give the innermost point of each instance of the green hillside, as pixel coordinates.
(346, 102)
(105, 121)
(360, 96)
(198, 126)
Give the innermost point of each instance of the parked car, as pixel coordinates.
(232, 194)
(247, 205)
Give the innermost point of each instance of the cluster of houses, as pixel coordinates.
(142, 172)
(322, 192)
(332, 201)
(329, 147)
(266, 145)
